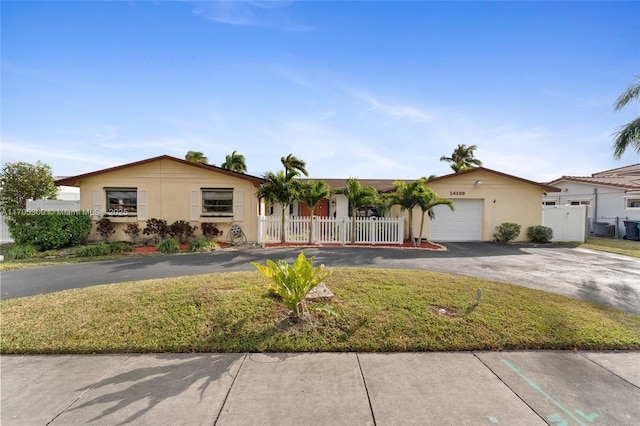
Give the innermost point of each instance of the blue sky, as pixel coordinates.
(360, 89)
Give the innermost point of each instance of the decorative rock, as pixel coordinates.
(319, 292)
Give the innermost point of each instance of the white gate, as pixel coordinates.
(569, 223)
(328, 230)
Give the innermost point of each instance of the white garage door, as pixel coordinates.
(462, 224)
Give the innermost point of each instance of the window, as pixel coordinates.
(217, 202)
(121, 201)
(580, 202)
(549, 203)
(367, 211)
(632, 202)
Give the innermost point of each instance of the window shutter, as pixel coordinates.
(238, 205)
(97, 210)
(143, 211)
(195, 208)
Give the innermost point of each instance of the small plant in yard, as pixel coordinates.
(94, 250)
(170, 245)
(540, 234)
(156, 228)
(182, 230)
(120, 247)
(21, 251)
(293, 282)
(201, 245)
(133, 231)
(105, 228)
(507, 232)
(210, 230)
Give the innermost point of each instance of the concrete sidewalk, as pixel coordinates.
(524, 388)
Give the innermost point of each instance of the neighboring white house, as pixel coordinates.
(612, 198)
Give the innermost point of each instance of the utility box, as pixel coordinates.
(604, 229)
(632, 231)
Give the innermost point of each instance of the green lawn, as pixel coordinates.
(379, 310)
(627, 248)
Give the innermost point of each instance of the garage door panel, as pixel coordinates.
(462, 224)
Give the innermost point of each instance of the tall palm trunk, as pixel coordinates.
(282, 228)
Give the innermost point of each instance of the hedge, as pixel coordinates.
(50, 230)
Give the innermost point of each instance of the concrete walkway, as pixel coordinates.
(524, 388)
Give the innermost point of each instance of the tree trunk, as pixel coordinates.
(353, 228)
(421, 228)
(282, 230)
(411, 227)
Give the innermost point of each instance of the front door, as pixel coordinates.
(322, 209)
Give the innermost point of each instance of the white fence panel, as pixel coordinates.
(569, 223)
(328, 230)
(5, 236)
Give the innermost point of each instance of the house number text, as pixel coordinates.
(456, 192)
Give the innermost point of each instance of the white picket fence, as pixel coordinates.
(328, 230)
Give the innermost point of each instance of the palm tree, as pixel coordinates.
(383, 203)
(293, 165)
(358, 196)
(629, 134)
(407, 196)
(427, 200)
(278, 188)
(462, 158)
(235, 162)
(196, 157)
(312, 193)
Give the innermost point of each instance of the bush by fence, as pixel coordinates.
(50, 230)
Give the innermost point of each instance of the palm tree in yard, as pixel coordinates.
(293, 165)
(312, 193)
(278, 188)
(427, 200)
(235, 162)
(358, 196)
(462, 158)
(629, 134)
(196, 157)
(407, 196)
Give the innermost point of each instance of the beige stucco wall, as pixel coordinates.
(504, 200)
(168, 185)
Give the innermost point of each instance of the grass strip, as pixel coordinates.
(379, 310)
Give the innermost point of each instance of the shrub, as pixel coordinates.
(210, 230)
(182, 230)
(94, 250)
(133, 231)
(507, 232)
(293, 282)
(156, 228)
(105, 228)
(170, 245)
(21, 251)
(120, 247)
(540, 234)
(49, 230)
(201, 245)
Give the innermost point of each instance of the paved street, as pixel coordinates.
(604, 278)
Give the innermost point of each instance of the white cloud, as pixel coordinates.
(268, 14)
(395, 111)
(64, 159)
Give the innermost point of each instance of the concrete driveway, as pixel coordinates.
(599, 277)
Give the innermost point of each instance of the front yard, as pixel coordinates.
(378, 310)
